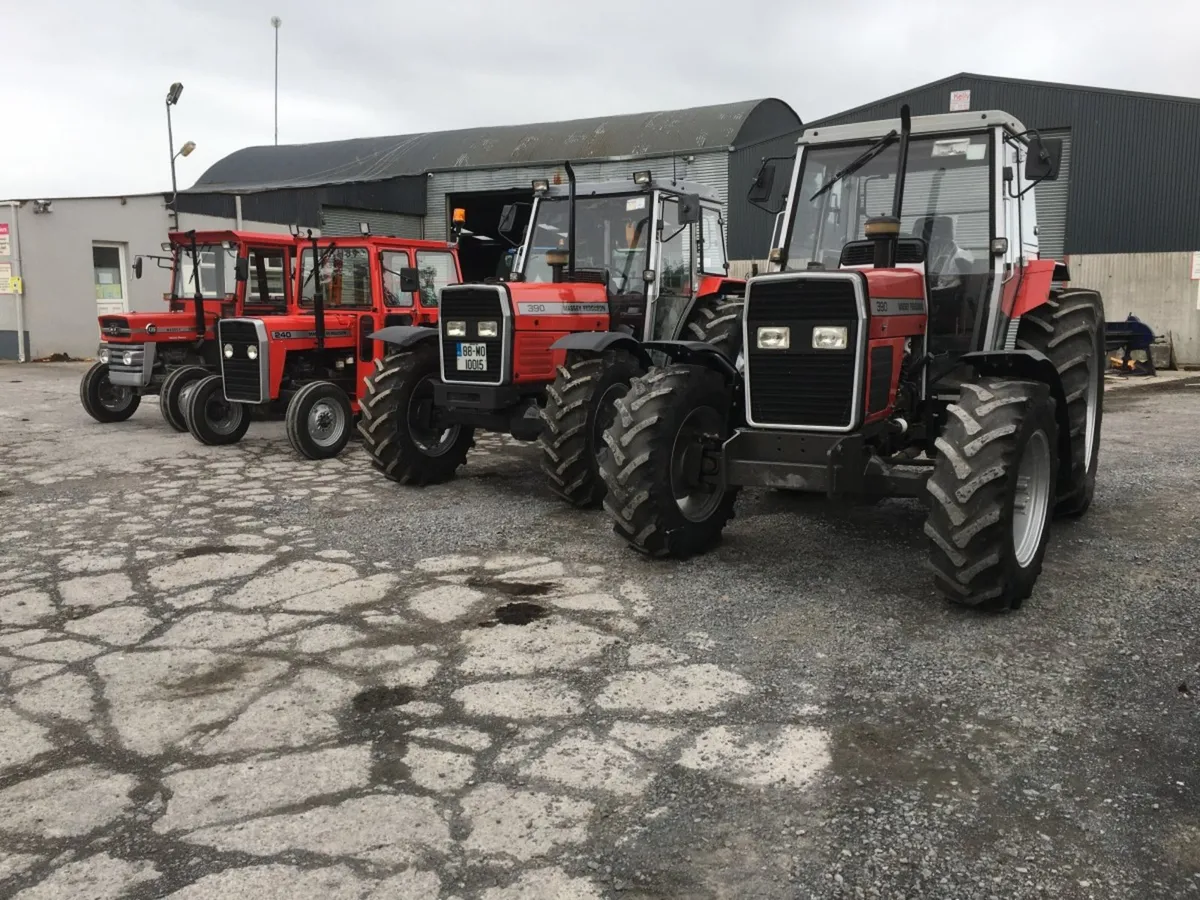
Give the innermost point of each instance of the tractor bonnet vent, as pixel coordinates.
(909, 251)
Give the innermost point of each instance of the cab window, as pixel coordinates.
(345, 277)
(393, 261)
(713, 262)
(267, 284)
(437, 270)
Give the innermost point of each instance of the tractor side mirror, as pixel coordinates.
(137, 267)
(764, 181)
(508, 218)
(241, 269)
(689, 209)
(1045, 154)
(410, 280)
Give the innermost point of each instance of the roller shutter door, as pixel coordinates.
(343, 220)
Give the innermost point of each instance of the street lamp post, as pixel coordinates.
(172, 98)
(275, 23)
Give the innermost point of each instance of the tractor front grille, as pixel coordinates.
(245, 378)
(137, 371)
(801, 386)
(473, 304)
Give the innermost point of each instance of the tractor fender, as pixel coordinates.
(599, 341)
(404, 336)
(696, 353)
(1034, 366)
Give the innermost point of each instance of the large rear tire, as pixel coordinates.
(1069, 330)
(170, 395)
(396, 422)
(211, 418)
(319, 420)
(656, 443)
(104, 401)
(992, 493)
(717, 319)
(579, 407)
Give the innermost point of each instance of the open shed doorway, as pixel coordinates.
(482, 251)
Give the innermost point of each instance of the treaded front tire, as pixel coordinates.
(979, 553)
(104, 401)
(211, 418)
(637, 468)
(328, 436)
(170, 394)
(717, 319)
(1069, 330)
(401, 382)
(579, 406)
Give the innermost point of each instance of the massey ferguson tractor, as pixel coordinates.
(543, 355)
(310, 363)
(214, 274)
(908, 342)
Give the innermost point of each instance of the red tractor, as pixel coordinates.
(214, 274)
(910, 343)
(542, 355)
(310, 364)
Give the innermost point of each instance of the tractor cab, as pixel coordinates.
(649, 244)
(967, 214)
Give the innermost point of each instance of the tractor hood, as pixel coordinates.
(138, 328)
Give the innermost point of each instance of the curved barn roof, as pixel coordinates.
(376, 158)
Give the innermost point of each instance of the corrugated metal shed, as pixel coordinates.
(1135, 172)
(638, 135)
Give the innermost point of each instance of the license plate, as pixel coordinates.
(472, 357)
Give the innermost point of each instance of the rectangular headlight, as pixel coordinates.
(830, 337)
(774, 338)
(489, 329)
(456, 329)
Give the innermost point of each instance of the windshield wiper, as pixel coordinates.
(869, 154)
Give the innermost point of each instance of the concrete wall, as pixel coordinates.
(56, 262)
(1155, 287)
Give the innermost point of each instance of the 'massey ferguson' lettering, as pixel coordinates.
(895, 307)
(562, 309)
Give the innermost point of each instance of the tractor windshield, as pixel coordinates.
(947, 203)
(216, 270)
(345, 277)
(611, 233)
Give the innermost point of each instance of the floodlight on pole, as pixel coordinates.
(275, 23)
(186, 149)
(173, 94)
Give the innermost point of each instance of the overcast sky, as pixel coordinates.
(84, 83)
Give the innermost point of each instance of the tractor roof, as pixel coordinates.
(382, 242)
(216, 237)
(627, 187)
(943, 123)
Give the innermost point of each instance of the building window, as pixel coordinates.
(108, 276)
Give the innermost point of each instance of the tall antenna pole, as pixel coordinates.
(275, 23)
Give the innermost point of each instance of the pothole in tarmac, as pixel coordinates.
(511, 588)
(206, 550)
(519, 612)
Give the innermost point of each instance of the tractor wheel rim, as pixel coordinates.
(222, 416)
(1032, 500)
(606, 411)
(326, 423)
(424, 436)
(114, 397)
(1089, 425)
(695, 502)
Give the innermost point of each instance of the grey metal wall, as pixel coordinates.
(711, 169)
(342, 220)
(1155, 287)
(1135, 169)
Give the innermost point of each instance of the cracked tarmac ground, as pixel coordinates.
(228, 672)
